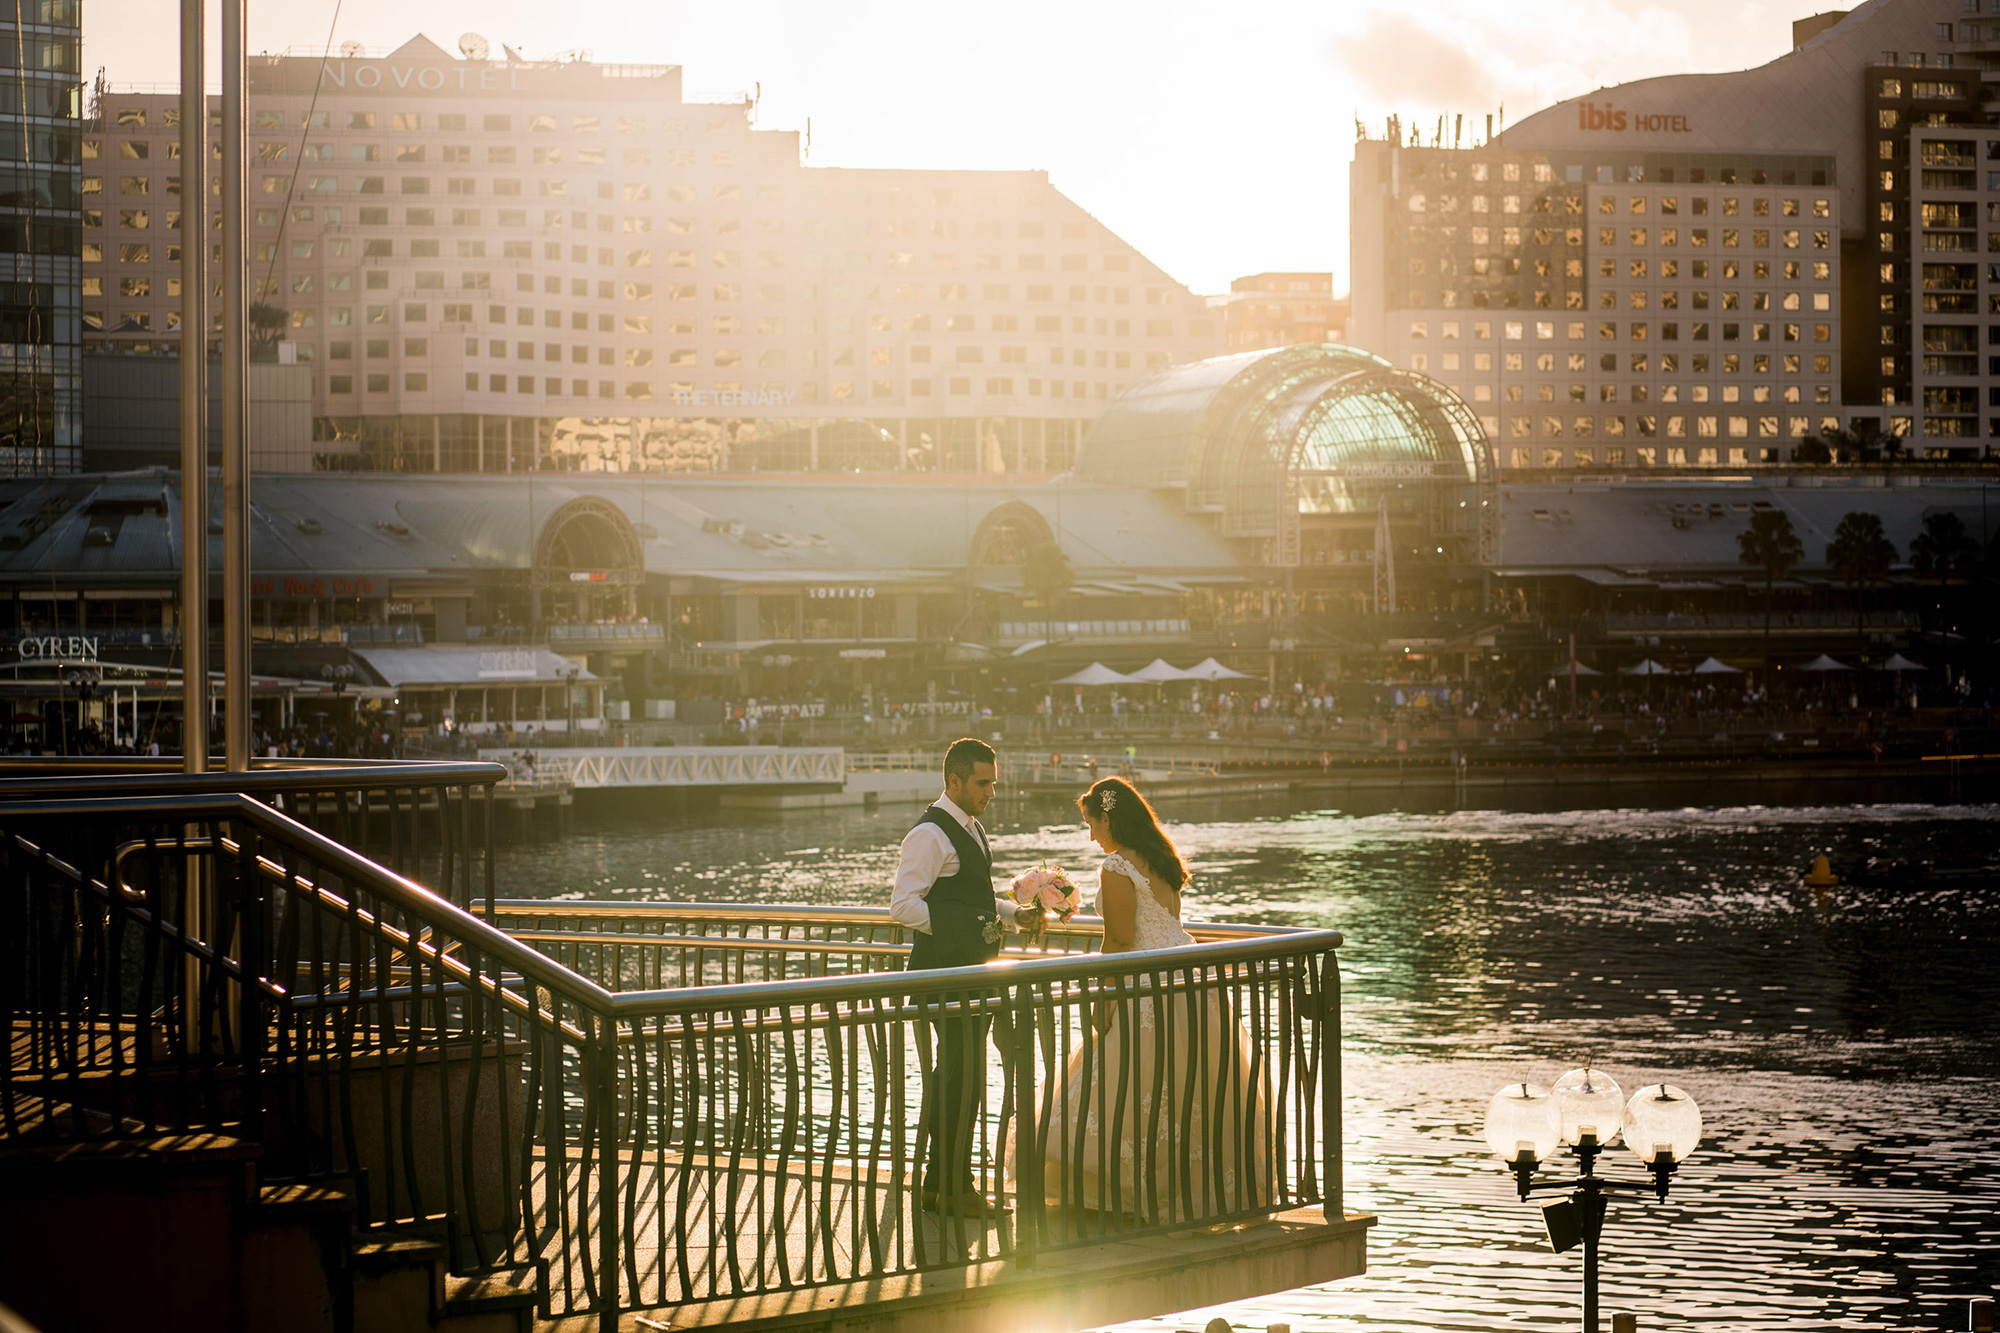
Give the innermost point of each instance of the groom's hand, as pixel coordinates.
(1030, 920)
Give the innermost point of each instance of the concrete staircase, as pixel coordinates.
(114, 1228)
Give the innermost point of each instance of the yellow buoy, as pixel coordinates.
(1821, 875)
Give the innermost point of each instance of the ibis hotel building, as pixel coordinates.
(492, 263)
(1701, 270)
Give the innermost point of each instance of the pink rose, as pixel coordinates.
(1049, 888)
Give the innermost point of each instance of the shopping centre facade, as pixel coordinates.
(493, 264)
(1703, 270)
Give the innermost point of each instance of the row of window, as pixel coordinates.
(412, 122)
(1636, 363)
(1638, 205)
(1642, 456)
(1608, 331)
(1589, 426)
(417, 381)
(1649, 393)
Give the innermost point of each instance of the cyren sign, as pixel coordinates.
(1593, 116)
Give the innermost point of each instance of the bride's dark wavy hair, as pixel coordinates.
(1134, 826)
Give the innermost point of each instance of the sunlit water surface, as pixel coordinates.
(1842, 1044)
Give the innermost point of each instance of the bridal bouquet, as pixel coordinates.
(1047, 887)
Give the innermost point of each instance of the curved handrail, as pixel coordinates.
(284, 778)
(958, 982)
(811, 914)
(404, 892)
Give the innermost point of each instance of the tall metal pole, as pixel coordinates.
(235, 443)
(194, 393)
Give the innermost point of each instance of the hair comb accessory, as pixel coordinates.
(1107, 800)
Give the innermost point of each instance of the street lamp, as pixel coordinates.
(1524, 1124)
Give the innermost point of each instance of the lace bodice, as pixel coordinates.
(1153, 926)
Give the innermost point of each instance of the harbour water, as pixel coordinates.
(1842, 1043)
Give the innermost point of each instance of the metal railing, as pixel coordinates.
(430, 821)
(656, 1104)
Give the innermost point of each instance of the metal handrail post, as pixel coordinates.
(1335, 1206)
(605, 1076)
(1029, 1203)
(235, 370)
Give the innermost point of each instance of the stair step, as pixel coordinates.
(491, 1291)
(300, 1202)
(393, 1252)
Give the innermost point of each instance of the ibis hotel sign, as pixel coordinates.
(1603, 117)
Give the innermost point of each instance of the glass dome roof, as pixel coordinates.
(1259, 438)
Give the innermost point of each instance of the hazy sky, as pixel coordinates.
(1213, 137)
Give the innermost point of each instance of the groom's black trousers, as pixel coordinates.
(958, 1096)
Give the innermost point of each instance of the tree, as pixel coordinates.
(1848, 446)
(1862, 554)
(1047, 573)
(1770, 544)
(1942, 549)
(267, 323)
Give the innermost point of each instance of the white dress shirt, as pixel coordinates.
(928, 857)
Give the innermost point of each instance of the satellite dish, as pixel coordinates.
(352, 50)
(473, 47)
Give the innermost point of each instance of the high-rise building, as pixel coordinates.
(1702, 270)
(492, 264)
(41, 355)
(1267, 310)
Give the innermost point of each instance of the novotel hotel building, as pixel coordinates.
(491, 263)
(1701, 270)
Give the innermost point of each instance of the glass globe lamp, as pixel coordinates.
(1588, 1101)
(1522, 1117)
(1662, 1121)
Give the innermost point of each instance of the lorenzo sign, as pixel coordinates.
(1596, 116)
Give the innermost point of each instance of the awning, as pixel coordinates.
(1095, 674)
(1210, 669)
(403, 667)
(1158, 671)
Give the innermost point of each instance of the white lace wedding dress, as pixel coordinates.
(1185, 1106)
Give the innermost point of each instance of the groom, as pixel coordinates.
(944, 893)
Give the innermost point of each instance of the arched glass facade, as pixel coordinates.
(1259, 439)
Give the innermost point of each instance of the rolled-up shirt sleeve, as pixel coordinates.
(925, 850)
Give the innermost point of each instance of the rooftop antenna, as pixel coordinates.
(1457, 129)
(809, 138)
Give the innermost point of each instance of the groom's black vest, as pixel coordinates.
(961, 904)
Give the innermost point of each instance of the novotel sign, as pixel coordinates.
(1602, 116)
(367, 74)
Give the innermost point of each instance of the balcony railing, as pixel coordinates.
(593, 636)
(658, 1104)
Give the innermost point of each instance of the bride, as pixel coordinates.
(1162, 1130)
